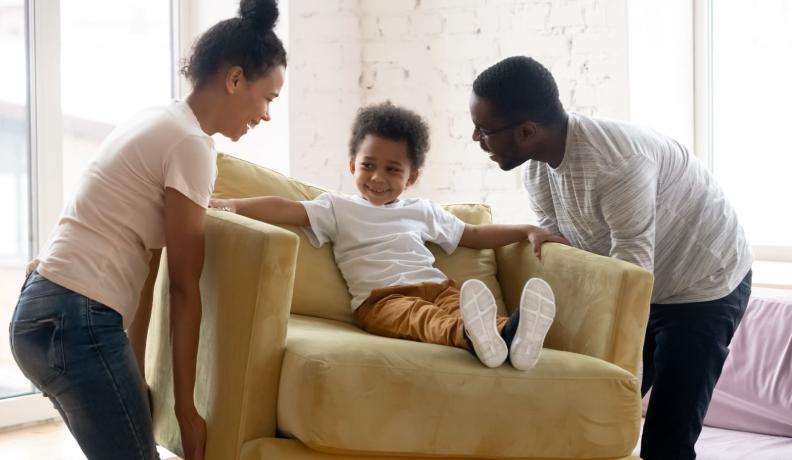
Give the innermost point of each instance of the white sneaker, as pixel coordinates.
(479, 314)
(537, 310)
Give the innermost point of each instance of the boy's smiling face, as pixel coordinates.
(382, 169)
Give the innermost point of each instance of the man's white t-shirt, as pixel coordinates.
(101, 245)
(382, 246)
(631, 193)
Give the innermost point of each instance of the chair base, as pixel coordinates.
(292, 449)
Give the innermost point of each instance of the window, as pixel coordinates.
(14, 181)
(714, 75)
(115, 60)
(72, 70)
(745, 48)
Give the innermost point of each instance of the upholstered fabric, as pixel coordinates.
(754, 392)
(320, 289)
(338, 389)
(601, 303)
(274, 448)
(466, 263)
(343, 389)
(246, 289)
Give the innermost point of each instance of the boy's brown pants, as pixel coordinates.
(425, 312)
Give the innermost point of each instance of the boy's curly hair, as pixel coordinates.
(394, 123)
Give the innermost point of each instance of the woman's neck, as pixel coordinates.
(205, 105)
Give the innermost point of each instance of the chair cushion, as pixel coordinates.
(344, 390)
(319, 288)
(754, 392)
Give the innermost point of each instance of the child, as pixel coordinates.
(379, 248)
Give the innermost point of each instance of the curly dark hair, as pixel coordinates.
(246, 40)
(394, 123)
(521, 88)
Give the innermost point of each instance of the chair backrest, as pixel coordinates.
(319, 288)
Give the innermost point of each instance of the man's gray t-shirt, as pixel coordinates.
(628, 192)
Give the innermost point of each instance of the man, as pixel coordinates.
(615, 189)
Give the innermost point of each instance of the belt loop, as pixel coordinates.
(24, 283)
(27, 277)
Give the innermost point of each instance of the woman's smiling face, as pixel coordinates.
(250, 102)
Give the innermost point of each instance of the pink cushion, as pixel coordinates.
(754, 392)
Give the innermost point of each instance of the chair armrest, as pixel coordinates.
(602, 303)
(246, 294)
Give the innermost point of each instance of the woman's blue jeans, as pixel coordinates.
(76, 352)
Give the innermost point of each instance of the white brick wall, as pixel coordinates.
(424, 54)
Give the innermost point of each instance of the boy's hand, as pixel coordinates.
(223, 205)
(539, 236)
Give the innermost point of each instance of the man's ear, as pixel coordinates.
(526, 131)
(414, 173)
(352, 166)
(233, 78)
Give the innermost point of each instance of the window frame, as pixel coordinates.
(703, 28)
(45, 153)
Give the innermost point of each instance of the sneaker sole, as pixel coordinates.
(537, 310)
(479, 312)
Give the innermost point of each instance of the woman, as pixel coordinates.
(148, 188)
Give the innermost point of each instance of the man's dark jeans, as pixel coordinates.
(686, 346)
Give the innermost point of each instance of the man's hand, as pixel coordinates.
(223, 205)
(538, 236)
(193, 435)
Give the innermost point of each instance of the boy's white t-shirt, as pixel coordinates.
(101, 245)
(381, 246)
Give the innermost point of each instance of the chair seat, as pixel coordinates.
(344, 390)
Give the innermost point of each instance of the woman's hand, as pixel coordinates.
(538, 236)
(193, 435)
(223, 204)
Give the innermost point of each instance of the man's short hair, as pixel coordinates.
(519, 87)
(394, 123)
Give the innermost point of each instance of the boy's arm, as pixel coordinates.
(488, 236)
(269, 209)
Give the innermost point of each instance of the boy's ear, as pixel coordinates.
(234, 77)
(414, 173)
(352, 166)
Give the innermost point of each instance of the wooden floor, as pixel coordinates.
(46, 441)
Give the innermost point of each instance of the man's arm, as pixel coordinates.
(629, 207)
(269, 209)
(488, 236)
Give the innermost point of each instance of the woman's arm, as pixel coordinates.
(488, 236)
(138, 330)
(184, 236)
(269, 209)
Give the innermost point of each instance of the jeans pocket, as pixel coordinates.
(37, 345)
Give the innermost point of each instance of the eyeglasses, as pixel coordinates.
(487, 133)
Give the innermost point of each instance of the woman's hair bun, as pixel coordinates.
(262, 13)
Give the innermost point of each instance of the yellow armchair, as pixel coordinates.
(284, 373)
